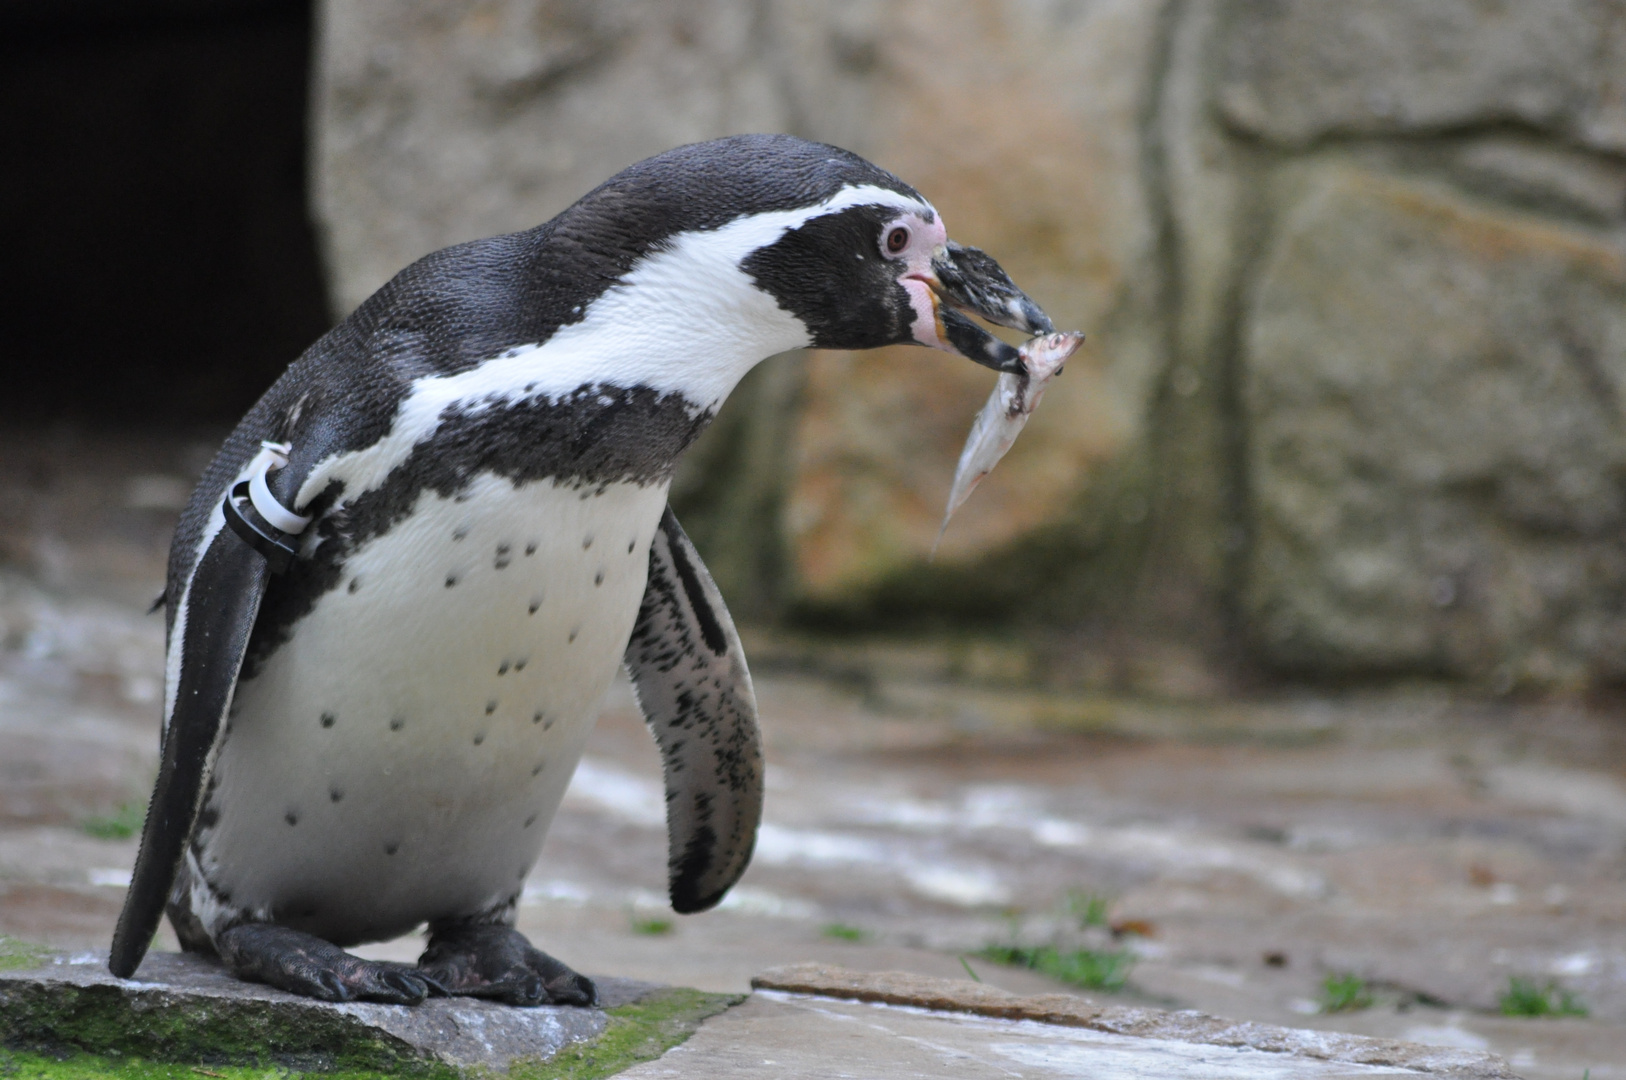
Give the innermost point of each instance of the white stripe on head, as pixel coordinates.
(685, 319)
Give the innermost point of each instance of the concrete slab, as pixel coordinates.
(812, 1021)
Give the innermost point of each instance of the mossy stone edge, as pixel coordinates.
(55, 1028)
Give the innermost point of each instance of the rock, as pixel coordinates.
(442, 122)
(1438, 452)
(1295, 73)
(1141, 1042)
(1020, 124)
(1349, 272)
(181, 1007)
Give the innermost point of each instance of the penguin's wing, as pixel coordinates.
(217, 613)
(689, 673)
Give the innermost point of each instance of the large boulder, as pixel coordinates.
(1438, 466)
(1351, 273)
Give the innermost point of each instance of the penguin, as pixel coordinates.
(406, 580)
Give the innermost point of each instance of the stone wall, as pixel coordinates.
(1354, 277)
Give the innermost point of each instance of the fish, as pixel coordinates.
(1005, 413)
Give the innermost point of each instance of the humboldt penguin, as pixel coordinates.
(405, 582)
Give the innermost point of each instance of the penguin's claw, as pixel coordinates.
(493, 961)
(303, 964)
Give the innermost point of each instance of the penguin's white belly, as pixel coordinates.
(400, 757)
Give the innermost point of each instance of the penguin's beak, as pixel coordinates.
(970, 279)
(966, 280)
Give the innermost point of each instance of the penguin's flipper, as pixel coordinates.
(689, 673)
(219, 611)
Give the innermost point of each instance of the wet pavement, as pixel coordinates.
(1431, 845)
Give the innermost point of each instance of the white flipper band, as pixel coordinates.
(272, 456)
(272, 536)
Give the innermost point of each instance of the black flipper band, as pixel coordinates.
(272, 543)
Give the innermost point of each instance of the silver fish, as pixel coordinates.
(1006, 411)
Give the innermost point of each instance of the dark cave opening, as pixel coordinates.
(159, 261)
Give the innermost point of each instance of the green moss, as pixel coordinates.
(186, 1030)
(78, 1065)
(16, 954)
(639, 1032)
(219, 1038)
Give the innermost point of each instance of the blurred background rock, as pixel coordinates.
(1354, 277)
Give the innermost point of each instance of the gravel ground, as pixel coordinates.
(1240, 852)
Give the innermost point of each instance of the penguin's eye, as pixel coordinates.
(897, 238)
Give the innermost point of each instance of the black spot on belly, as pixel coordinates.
(451, 579)
(587, 541)
(530, 549)
(632, 544)
(355, 585)
(480, 738)
(536, 603)
(530, 821)
(327, 719)
(491, 706)
(598, 578)
(519, 665)
(537, 719)
(396, 723)
(392, 847)
(460, 532)
(537, 770)
(573, 632)
(502, 560)
(335, 794)
(291, 818)
(502, 668)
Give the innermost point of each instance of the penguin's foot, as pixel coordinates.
(303, 964)
(494, 961)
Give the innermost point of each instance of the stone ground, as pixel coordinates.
(1435, 846)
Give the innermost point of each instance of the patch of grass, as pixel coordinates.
(651, 927)
(1345, 993)
(1526, 997)
(20, 954)
(122, 824)
(1091, 969)
(843, 932)
(1090, 909)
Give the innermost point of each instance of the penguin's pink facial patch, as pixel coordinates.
(913, 240)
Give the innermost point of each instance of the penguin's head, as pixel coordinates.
(884, 272)
(853, 255)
